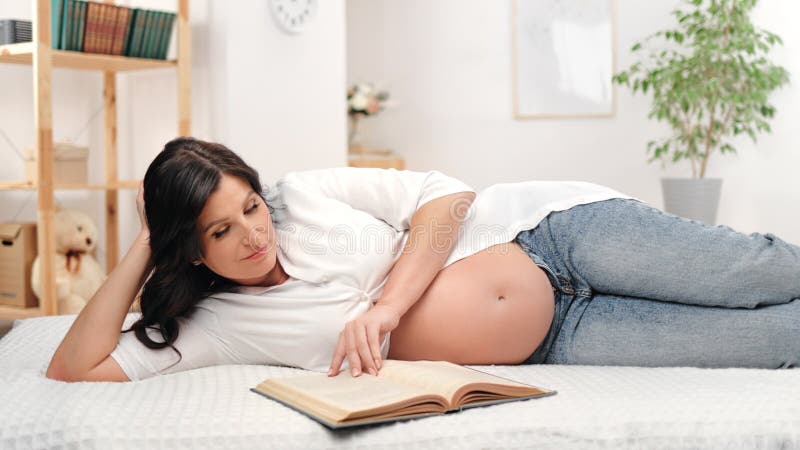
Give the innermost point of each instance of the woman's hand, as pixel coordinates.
(140, 208)
(361, 340)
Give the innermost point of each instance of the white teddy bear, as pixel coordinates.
(78, 274)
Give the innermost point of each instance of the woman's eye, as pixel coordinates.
(222, 232)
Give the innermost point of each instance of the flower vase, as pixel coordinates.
(354, 137)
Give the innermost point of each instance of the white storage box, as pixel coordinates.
(69, 164)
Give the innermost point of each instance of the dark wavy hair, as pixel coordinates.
(176, 187)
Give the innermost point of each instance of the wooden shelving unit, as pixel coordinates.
(43, 58)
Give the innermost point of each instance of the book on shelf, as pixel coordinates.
(402, 390)
(150, 31)
(80, 25)
(13, 31)
(120, 30)
(94, 27)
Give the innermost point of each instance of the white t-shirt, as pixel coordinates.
(339, 232)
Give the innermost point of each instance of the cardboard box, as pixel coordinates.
(17, 252)
(69, 164)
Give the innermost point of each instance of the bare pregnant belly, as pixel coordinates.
(493, 307)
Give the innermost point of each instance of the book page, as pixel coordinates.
(449, 379)
(344, 396)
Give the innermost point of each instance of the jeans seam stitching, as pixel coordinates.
(570, 290)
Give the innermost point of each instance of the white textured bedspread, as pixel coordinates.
(212, 407)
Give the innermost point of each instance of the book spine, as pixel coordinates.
(62, 40)
(156, 34)
(101, 27)
(55, 23)
(141, 18)
(68, 24)
(6, 32)
(126, 50)
(136, 36)
(108, 28)
(162, 30)
(23, 30)
(90, 33)
(171, 31)
(163, 46)
(117, 26)
(148, 33)
(123, 17)
(82, 7)
(159, 30)
(73, 26)
(90, 36)
(77, 27)
(98, 33)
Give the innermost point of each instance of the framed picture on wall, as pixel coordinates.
(563, 58)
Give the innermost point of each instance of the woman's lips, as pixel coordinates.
(259, 253)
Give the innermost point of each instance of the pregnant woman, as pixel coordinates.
(347, 267)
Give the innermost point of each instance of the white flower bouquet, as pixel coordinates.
(364, 99)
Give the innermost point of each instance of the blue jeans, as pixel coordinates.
(636, 286)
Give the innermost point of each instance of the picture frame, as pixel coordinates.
(564, 58)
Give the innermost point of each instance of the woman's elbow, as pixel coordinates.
(108, 370)
(56, 374)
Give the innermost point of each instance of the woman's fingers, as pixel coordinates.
(140, 205)
(338, 355)
(352, 351)
(360, 343)
(364, 352)
(375, 346)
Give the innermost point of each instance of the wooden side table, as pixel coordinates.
(384, 159)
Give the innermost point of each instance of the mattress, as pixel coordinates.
(212, 407)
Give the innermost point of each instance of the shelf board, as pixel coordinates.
(27, 185)
(22, 53)
(15, 312)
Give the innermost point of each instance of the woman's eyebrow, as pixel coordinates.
(244, 203)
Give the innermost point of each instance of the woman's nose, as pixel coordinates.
(255, 238)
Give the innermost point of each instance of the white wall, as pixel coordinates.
(276, 99)
(447, 65)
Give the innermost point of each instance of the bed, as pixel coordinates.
(212, 407)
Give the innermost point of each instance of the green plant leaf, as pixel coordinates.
(713, 59)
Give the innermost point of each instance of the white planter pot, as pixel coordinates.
(692, 198)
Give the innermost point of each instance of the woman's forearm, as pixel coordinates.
(434, 231)
(95, 332)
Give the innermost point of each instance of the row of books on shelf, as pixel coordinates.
(12, 31)
(93, 27)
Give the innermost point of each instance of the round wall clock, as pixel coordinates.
(294, 16)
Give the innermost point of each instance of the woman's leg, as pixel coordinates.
(627, 248)
(628, 331)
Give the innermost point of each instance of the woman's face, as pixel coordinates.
(236, 233)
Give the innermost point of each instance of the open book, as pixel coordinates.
(402, 390)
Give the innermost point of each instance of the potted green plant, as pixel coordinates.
(710, 81)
